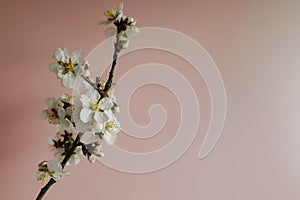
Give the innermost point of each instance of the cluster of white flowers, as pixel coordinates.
(86, 112)
(91, 110)
(125, 25)
(96, 115)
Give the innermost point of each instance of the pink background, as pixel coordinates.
(256, 47)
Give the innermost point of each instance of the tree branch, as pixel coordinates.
(102, 93)
(113, 65)
(63, 164)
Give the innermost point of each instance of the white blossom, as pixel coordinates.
(131, 30)
(116, 107)
(59, 154)
(94, 148)
(125, 26)
(111, 129)
(69, 67)
(64, 138)
(50, 169)
(113, 15)
(55, 113)
(91, 112)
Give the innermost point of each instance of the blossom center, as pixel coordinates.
(94, 106)
(69, 96)
(111, 125)
(52, 115)
(110, 13)
(69, 67)
(44, 177)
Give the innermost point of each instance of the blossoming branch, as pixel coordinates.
(92, 108)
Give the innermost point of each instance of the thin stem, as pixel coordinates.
(63, 164)
(71, 152)
(45, 189)
(93, 85)
(113, 65)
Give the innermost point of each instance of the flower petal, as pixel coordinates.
(44, 115)
(64, 123)
(53, 67)
(78, 69)
(81, 127)
(68, 80)
(52, 102)
(54, 165)
(100, 117)
(133, 32)
(61, 112)
(95, 96)
(85, 115)
(110, 115)
(111, 31)
(109, 138)
(62, 54)
(106, 103)
(104, 22)
(59, 154)
(74, 160)
(77, 56)
(50, 140)
(85, 100)
(97, 127)
(120, 7)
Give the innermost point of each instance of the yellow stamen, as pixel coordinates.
(111, 12)
(69, 66)
(44, 177)
(94, 106)
(68, 96)
(111, 125)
